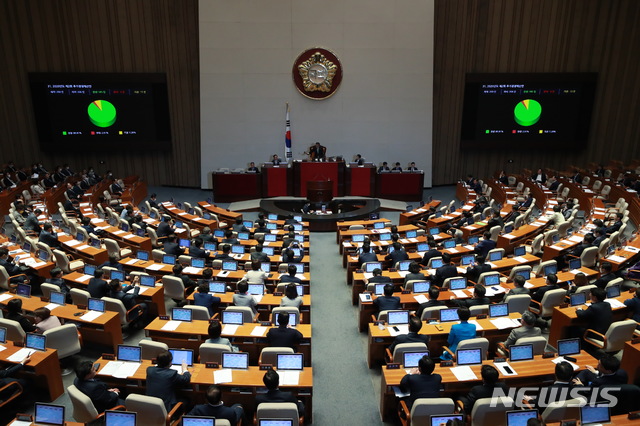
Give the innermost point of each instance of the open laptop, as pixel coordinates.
(520, 417)
(357, 238)
(197, 262)
(181, 356)
(210, 245)
(198, 421)
(120, 418)
(467, 259)
(403, 265)
(550, 269)
(95, 243)
(613, 291)
(595, 414)
(257, 289)
(575, 264)
(568, 346)
(492, 279)
(243, 236)
(299, 267)
(521, 352)
(420, 247)
(290, 362)
(129, 353)
(421, 286)
(117, 275)
(473, 239)
(410, 359)
(444, 419)
(412, 234)
(469, 356)
(235, 360)
(387, 237)
(272, 226)
(97, 305)
(218, 233)
(378, 225)
(229, 265)
(275, 422)
(578, 298)
(397, 317)
(525, 273)
(434, 231)
(142, 255)
(495, 256)
(379, 289)
(436, 263)
(457, 283)
(184, 242)
(270, 237)
(57, 297)
(265, 267)
(26, 246)
(519, 251)
(269, 251)
(48, 414)
(498, 310)
(80, 237)
(3, 335)
(237, 249)
(181, 314)
(36, 341)
(449, 244)
(23, 290)
(231, 317)
(43, 255)
(168, 259)
(147, 280)
(217, 287)
(370, 266)
(508, 229)
(449, 315)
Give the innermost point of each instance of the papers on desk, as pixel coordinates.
(469, 247)
(237, 255)
(413, 240)
(20, 355)
(21, 423)
(171, 325)
(84, 278)
(223, 273)
(177, 368)
(452, 250)
(96, 220)
(52, 306)
(148, 220)
(615, 303)
(460, 294)
(461, 270)
(575, 238)
(259, 331)
(560, 359)
(90, 316)
(399, 393)
(118, 232)
(632, 249)
(5, 296)
(403, 273)
(474, 322)
(257, 297)
(72, 243)
(289, 378)
(141, 291)
(368, 275)
(155, 266)
(129, 236)
(616, 258)
(401, 329)
(520, 259)
(2, 348)
(403, 241)
(493, 265)
(575, 271)
(31, 262)
(493, 290)
(464, 373)
(131, 261)
(182, 214)
(120, 369)
(508, 236)
(83, 247)
(230, 329)
(421, 298)
(224, 376)
(192, 270)
(527, 284)
(505, 322)
(501, 365)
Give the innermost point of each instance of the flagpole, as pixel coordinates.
(288, 155)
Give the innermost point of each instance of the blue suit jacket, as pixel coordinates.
(162, 382)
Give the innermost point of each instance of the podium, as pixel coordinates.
(361, 180)
(320, 191)
(307, 171)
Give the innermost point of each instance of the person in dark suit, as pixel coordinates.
(229, 238)
(485, 390)
(398, 254)
(616, 225)
(605, 275)
(102, 396)
(260, 227)
(377, 278)
(431, 253)
(526, 203)
(258, 255)
(397, 167)
(252, 168)
(485, 245)
(559, 389)
(587, 242)
(14, 312)
(215, 408)
(13, 270)
(359, 160)
(275, 160)
(495, 220)
(539, 176)
(421, 383)
(606, 373)
(57, 280)
(203, 298)
(415, 273)
(283, 335)
(519, 288)
(366, 255)
(162, 381)
(117, 187)
(598, 316)
(49, 237)
(477, 268)
(165, 228)
(271, 380)
(447, 270)
(238, 226)
(479, 297)
(634, 305)
(98, 287)
(412, 167)
(171, 246)
(196, 249)
(224, 255)
(318, 152)
(526, 330)
(188, 283)
(434, 293)
(112, 263)
(31, 222)
(388, 301)
(413, 336)
(289, 256)
(206, 236)
(600, 234)
(384, 167)
(116, 291)
(291, 276)
(551, 284)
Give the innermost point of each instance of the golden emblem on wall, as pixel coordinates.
(317, 73)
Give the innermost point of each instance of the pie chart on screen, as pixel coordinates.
(102, 113)
(527, 112)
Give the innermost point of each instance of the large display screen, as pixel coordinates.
(98, 111)
(527, 110)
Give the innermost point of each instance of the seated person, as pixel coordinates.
(49, 237)
(477, 268)
(289, 256)
(241, 298)
(216, 408)
(605, 275)
(459, 332)
(187, 282)
(56, 279)
(291, 297)
(434, 293)
(162, 381)
(14, 312)
(128, 299)
(206, 236)
(415, 273)
(260, 227)
(226, 249)
(634, 305)
(432, 252)
(559, 390)
(165, 228)
(255, 275)
(479, 297)
(271, 380)
(377, 278)
(97, 287)
(259, 256)
(526, 330)
(252, 167)
(487, 244)
(551, 284)
(384, 167)
(44, 320)
(196, 249)
(171, 246)
(283, 336)
(489, 382)
(519, 288)
(112, 263)
(413, 336)
(598, 315)
(7, 376)
(447, 270)
(203, 298)
(397, 255)
(98, 392)
(275, 159)
(11, 267)
(397, 167)
(388, 301)
(238, 225)
(606, 373)
(366, 255)
(421, 382)
(214, 331)
(229, 238)
(291, 276)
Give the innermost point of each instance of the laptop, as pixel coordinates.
(473, 239)
(179, 224)
(403, 265)
(168, 259)
(217, 287)
(272, 226)
(550, 269)
(124, 227)
(257, 289)
(206, 215)
(519, 251)
(270, 238)
(89, 269)
(370, 266)
(272, 216)
(387, 237)
(299, 289)
(508, 229)
(265, 267)
(299, 267)
(43, 255)
(469, 356)
(198, 421)
(80, 237)
(243, 236)
(520, 417)
(467, 259)
(248, 224)
(140, 232)
(218, 233)
(448, 244)
(147, 281)
(379, 289)
(521, 352)
(410, 359)
(297, 227)
(48, 414)
(444, 419)
(275, 422)
(210, 246)
(555, 238)
(292, 318)
(97, 305)
(184, 242)
(495, 256)
(3, 335)
(142, 255)
(613, 291)
(237, 249)
(289, 362)
(269, 251)
(568, 346)
(397, 317)
(412, 234)
(129, 353)
(498, 310)
(449, 315)
(575, 264)
(235, 360)
(36, 341)
(23, 290)
(526, 274)
(594, 415)
(578, 298)
(182, 356)
(119, 418)
(436, 263)
(420, 246)
(230, 317)
(95, 243)
(374, 216)
(26, 246)
(57, 297)
(434, 231)
(357, 238)
(197, 263)
(229, 265)
(117, 275)
(493, 279)
(421, 286)
(457, 283)
(378, 225)
(296, 251)
(297, 218)
(181, 314)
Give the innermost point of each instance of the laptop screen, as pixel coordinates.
(370, 266)
(243, 236)
(299, 267)
(209, 245)
(43, 255)
(420, 246)
(80, 237)
(265, 267)
(257, 289)
(297, 227)
(142, 255)
(89, 269)
(297, 218)
(248, 224)
(57, 297)
(445, 419)
(412, 234)
(520, 417)
(96, 305)
(495, 256)
(594, 414)
(449, 244)
(397, 317)
(182, 356)
(411, 359)
(140, 232)
(578, 298)
(217, 287)
(467, 259)
(520, 352)
(26, 246)
(436, 263)
(184, 242)
(180, 314)
(238, 360)
(179, 224)
(95, 243)
(229, 265)
(449, 315)
(525, 273)
(575, 264)
(272, 226)
(231, 317)
(492, 279)
(498, 310)
(36, 341)
(379, 289)
(421, 286)
(147, 281)
(23, 290)
(469, 356)
(3, 335)
(550, 269)
(387, 237)
(568, 346)
(218, 233)
(290, 362)
(129, 353)
(458, 283)
(299, 238)
(124, 227)
(404, 265)
(378, 225)
(434, 231)
(270, 238)
(272, 216)
(198, 421)
(613, 291)
(197, 262)
(357, 238)
(237, 249)
(473, 239)
(269, 251)
(119, 418)
(49, 414)
(168, 259)
(508, 229)
(555, 238)
(275, 422)
(117, 275)
(519, 251)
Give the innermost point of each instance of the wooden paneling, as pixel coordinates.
(474, 36)
(103, 36)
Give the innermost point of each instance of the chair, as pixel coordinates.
(126, 316)
(47, 288)
(270, 355)
(199, 312)
(5, 279)
(602, 248)
(518, 271)
(284, 309)
(585, 289)
(153, 236)
(539, 344)
(518, 302)
(356, 227)
(604, 194)
(495, 232)
(490, 411)
(548, 237)
(282, 268)
(152, 410)
(495, 250)
(614, 339)
(588, 257)
(150, 348)
(83, 409)
(550, 300)
(616, 281)
(409, 285)
(212, 352)
(46, 248)
(478, 310)
(400, 349)
(279, 410)
(66, 340)
(539, 269)
(157, 255)
(422, 409)
(433, 259)
(15, 332)
(483, 276)
(561, 410)
(79, 297)
(63, 262)
(15, 388)
(536, 245)
(431, 312)
(478, 342)
(173, 287)
(247, 313)
(113, 248)
(563, 227)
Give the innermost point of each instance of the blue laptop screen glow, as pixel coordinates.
(397, 317)
(444, 419)
(469, 356)
(185, 242)
(420, 246)
(436, 263)
(473, 239)
(198, 421)
(379, 289)
(568, 346)
(119, 418)
(299, 238)
(434, 231)
(578, 298)
(257, 289)
(237, 249)
(525, 273)
(243, 235)
(229, 265)
(492, 279)
(23, 290)
(290, 362)
(49, 414)
(412, 234)
(575, 264)
(299, 267)
(449, 315)
(182, 356)
(378, 225)
(142, 255)
(80, 236)
(410, 359)
(57, 297)
(229, 317)
(89, 269)
(272, 226)
(235, 360)
(357, 238)
(265, 266)
(421, 286)
(297, 227)
(550, 269)
(217, 287)
(247, 224)
(386, 237)
(147, 281)
(296, 251)
(498, 310)
(519, 251)
(36, 341)
(129, 353)
(495, 256)
(209, 245)
(594, 414)
(218, 233)
(467, 259)
(370, 266)
(168, 259)
(179, 314)
(520, 352)
(197, 263)
(96, 305)
(508, 229)
(3, 335)
(270, 238)
(520, 417)
(613, 291)
(117, 275)
(458, 283)
(404, 265)
(272, 216)
(449, 244)
(268, 251)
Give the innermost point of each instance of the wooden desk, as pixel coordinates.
(405, 186)
(194, 222)
(230, 187)
(41, 269)
(46, 367)
(419, 213)
(92, 255)
(225, 215)
(631, 362)
(520, 235)
(191, 335)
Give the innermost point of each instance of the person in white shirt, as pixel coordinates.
(255, 275)
(291, 297)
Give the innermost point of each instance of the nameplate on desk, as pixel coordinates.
(446, 363)
(548, 355)
(499, 360)
(18, 344)
(211, 365)
(108, 357)
(266, 367)
(265, 323)
(393, 366)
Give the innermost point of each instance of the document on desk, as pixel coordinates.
(230, 329)
(2, 348)
(501, 368)
(5, 296)
(460, 294)
(421, 298)
(615, 303)
(52, 306)
(520, 259)
(504, 322)
(257, 297)
(464, 373)
(259, 331)
(225, 376)
(120, 369)
(404, 241)
(90, 316)
(131, 261)
(632, 249)
(82, 247)
(395, 330)
(155, 267)
(615, 258)
(478, 326)
(84, 278)
(141, 291)
(575, 271)
(527, 284)
(289, 378)
(460, 269)
(129, 236)
(20, 355)
(72, 243)
(192, 270)
(561, 358)
(493, 290)
(575, 238)
(368, 275)
(223, 273)
(403, 273)
(171, 325)
(452, 250)
(118, 232)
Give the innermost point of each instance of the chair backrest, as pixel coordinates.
(4, 279)
(47, 288)
(400, 349)
(495, 232)
(539, 343)
(478, 309)
(149, 408)
(199, 312)
(536, 244)
(561, 410)
(79, 297)
(478, 342)
(423, 408)
(278, 410)
(605, 191)
(282, 268)
(562, 228)
(150, 348)
(15, 332)
(518, 222)
(597, 185)
(589, 256)
(540, 268)
(173, 287)
(495, 250)
(153, 236)
(113, 248)
(585, 289)
(212, 352)
(518, 302)
(518, 270)
(64, 339)
(616, 281)
(356, 227)
(46, 248)
(618, 333)
(116, 305)
(551, 299)
(602, 248)
(185, 260)
(62, 261)
(247, 313)
(548, 237)
(433, 259)
(270, 355)
(157, 255)
(431, 312)
(490, 411)
(284, 309)
(83, 409)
